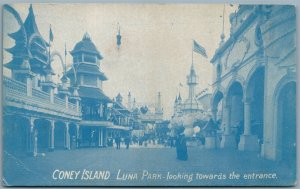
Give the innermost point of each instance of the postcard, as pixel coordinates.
(118, 94)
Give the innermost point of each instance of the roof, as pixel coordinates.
(87, 69)
(94, 93)
(21, 37)
(86, 45)
(120, 107)
(30, 25)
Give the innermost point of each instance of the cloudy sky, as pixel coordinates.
(156, 50)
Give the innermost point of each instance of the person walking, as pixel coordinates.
(118, 142)
(181, 148)
(127, 142)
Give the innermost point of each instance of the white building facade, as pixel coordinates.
(255, 82)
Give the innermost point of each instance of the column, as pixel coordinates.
(29, 85)
(247, 118)
(78, 134)
(99, 140)
(102, 138)
(227, 113)
(52, 135)
(67, 101)
(214, 114)
(51, 92)
(31, 136)
(228, 140)
(248, 142)
(67, 136)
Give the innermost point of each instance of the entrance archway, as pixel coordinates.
(255, 99)
(236, 116)
(286, 124)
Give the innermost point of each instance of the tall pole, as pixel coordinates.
(49, 45)
(193, 53)
(65, 58)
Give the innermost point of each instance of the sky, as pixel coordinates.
(156, 50)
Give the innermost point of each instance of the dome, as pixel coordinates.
(86, 45)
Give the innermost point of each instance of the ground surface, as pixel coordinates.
(214, 167)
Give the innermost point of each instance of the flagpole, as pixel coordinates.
(65, 66)
(193, 54)
(49, 46)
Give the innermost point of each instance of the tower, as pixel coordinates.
(158, 108)
(129, 105)
(191, 105)
(192, 81)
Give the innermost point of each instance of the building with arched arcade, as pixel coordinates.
(254, 89)
(41, 115)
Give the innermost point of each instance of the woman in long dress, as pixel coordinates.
(181, 148)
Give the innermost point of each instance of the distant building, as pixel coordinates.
(255, 80)
(204, 98)
(190, 105)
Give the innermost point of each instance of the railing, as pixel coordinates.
(14, 86)
(60, 101)
(72, 106)
(17, 90)
(40, 94)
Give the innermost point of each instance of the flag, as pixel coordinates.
(199, 49)
(51, 35)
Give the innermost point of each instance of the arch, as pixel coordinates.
(73, 133)
(215, 102)
(19, 20)
(255, 90)
(250, 75)
(43, 128)
(235, 104)
(16, 134)
(236, 79)
(56, 53)
(60, 135)
(283, 87)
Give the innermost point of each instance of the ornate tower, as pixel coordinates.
(191, 104)
(192, 81)
(158, 108)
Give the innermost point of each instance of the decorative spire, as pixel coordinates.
(86, 36)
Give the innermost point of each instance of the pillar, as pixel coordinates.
(67, 101)
(248, 142)
(228, 140)
(100, 138)
(31, 136)
(214, 114)
(78, 134)
(51, 92)
(52, 135)
(67, 135)
(29, 85)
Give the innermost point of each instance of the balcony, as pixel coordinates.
(15, 95)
